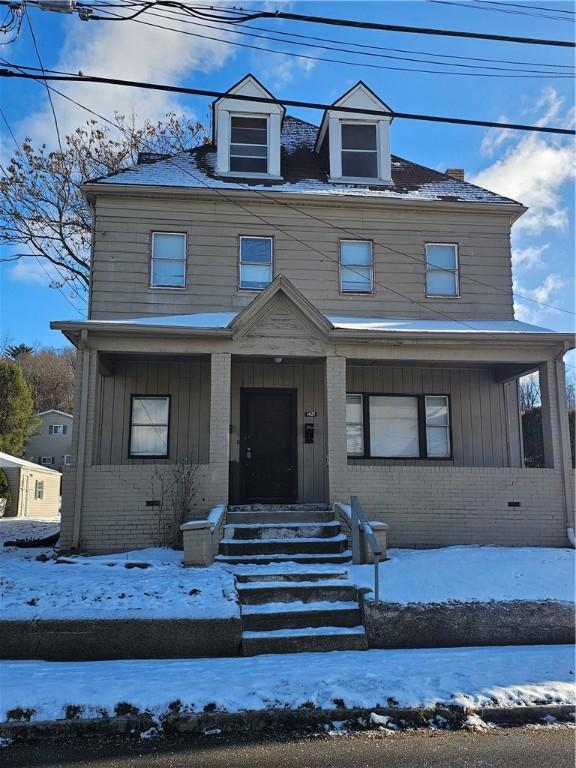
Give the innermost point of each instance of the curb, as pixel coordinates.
(256, 721)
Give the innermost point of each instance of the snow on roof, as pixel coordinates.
(6, 460)
(304, 172)
(222, 320)
(410, 324)
(54, 410)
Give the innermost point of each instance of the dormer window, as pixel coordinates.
(359, 150)
(248, 144)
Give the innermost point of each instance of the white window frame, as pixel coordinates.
(39, 490)
(342, 267)
(67, 459)
(185, 260)
(375, 151)
(356, 424)
(141, 454)
(455, 272)
(250, 174)
(57, 429)
(46, 460)
(242, 263)
(446, 427)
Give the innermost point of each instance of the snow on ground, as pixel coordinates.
(107, 586)
(472, 573)
(509, 676)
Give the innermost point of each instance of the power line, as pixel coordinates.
(510, 72)
(288, 102)
(511, 11)
(46, 84)
(233, 17)
(520, 5)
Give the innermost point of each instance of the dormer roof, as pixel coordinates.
(248, 86)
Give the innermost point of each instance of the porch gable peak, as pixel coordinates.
(280, 290)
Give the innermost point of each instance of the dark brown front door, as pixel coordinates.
(268, 454)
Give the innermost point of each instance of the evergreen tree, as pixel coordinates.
(17, 417)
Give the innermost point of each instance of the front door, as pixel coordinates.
(268, 454)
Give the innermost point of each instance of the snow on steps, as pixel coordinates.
(285, 545)
(266, 559)
(305, 639)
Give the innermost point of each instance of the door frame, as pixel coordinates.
(245, 394)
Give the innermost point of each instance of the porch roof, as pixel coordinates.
(219, 324)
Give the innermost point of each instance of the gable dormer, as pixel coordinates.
(358, 142)
(247, 133)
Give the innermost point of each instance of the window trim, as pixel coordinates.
(39, 490)
(421, 398)
(44, 463)
(61, 429)
(152, 285)
(343, 292)
(67, 463)
(456, 271)
(130, 425)
(443, 426)
(239, 261)
(363, 423)
(250, 174)
(374, 123)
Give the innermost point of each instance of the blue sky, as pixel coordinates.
(538, 170)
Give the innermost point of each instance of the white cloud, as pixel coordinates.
(31, 270)
(545, 292)
(534, 169)
(494, 138)
(530, 257)
(280, 71)
(130, 51)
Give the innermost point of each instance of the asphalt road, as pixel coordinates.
(504, 748)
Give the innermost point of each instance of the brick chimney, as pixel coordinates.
(456, 173)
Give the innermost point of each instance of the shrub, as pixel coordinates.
(5, 488)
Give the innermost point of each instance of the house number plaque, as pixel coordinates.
(310, 414)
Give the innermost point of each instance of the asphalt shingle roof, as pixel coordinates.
(304, 171)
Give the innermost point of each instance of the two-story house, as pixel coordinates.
(51, 443)
(304, 316)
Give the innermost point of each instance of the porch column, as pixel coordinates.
(336, 427)
(220, 376)
(555, 430)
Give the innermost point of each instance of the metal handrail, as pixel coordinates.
(359, 522)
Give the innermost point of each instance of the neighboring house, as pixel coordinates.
(35, 490)
(51, 444)
(305, 316)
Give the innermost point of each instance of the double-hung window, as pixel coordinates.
(149, 420)
(359, 150)
(398, 426)
(168, 260)
(39, 489)
(46, 460)
(248, 144)
(255, 262)
(354, 425)
(57, 429)
(437, 426)
(442, 270)
(356, 266)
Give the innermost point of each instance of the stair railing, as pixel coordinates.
(359, 523)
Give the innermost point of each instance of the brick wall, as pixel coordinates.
(440, 506)
(114, 512)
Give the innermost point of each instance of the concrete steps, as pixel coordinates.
(305, 640)
(263, 517)
(284, 545)
(268, 559)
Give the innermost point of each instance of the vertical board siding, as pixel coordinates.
(306, 250)
(477, 409)
(187, 383)
(308, 380)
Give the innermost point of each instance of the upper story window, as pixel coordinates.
(67, 459)
(57, 429)
(168, 260)
(359, 150)
(442, 277)
(46, 460)
(149, 419)
(248, 144)
(356, 266)
(255, 262)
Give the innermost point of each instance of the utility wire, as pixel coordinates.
(232, 16)
(511, 11)
(288, 102)
(328, 224)
(178, 17)
(46, 84)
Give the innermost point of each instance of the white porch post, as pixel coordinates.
(336, 427)
(555, 430)
(220, 378)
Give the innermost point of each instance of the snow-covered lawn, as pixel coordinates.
(509, 676)
(150, 583)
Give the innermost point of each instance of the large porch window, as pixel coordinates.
(398, 426)
(149, 420)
